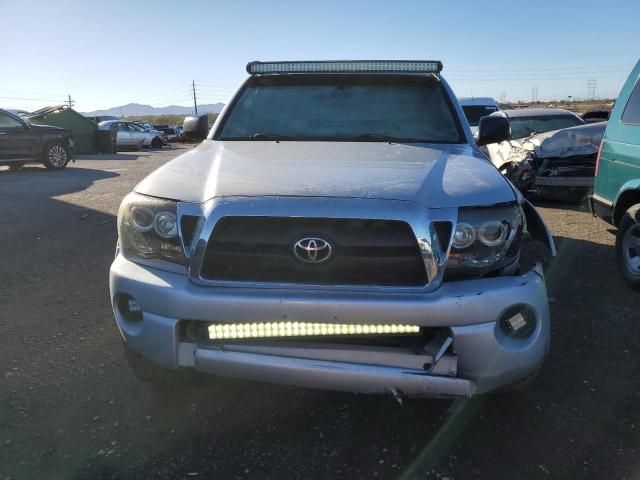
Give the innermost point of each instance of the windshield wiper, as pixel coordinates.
(387, 138)
(377, 136)
(269, 136)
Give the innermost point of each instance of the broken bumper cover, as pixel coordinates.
(330, 375)
(485, 358)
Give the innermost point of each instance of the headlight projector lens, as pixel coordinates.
(493, 234)
(464, 236)
(166, 224)
(141, 218)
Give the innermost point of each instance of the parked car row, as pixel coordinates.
(132, 134)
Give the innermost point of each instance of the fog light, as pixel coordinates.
(518, 322)
(133, 305)
(129, 308)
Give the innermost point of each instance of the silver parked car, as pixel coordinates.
(339, 229)
(130, 134)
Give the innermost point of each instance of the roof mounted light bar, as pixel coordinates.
(347, 66)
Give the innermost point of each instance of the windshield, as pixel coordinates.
(475, 112)
(343, 108)
(522, 127)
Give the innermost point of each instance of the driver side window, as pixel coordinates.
(7, 121)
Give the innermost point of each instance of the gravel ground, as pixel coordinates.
(70, 408)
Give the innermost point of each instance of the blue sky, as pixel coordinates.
(111, 53)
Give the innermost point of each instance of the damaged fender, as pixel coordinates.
(541, 245)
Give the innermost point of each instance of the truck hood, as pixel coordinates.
(433, 175)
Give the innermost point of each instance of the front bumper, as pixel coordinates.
(600, 208)
(482, 357)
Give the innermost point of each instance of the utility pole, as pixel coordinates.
(534, 94)
(195, 104)
(503, 97)
(69, 101)
(591, 88)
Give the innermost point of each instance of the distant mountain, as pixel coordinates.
(137, 109)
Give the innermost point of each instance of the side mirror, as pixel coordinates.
(493, 129)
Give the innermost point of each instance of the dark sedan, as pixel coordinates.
(22, 142)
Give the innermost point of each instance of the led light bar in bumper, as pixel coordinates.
(347, 66)
(218, 331)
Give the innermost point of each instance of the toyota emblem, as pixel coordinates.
(312, 250)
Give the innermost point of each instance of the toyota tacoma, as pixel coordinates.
(339, 228)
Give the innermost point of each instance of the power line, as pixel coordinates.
(211, 85)
(595, 68)
(32, 94)
(542, 76)
(181, 98)
(525, 79)
(57, 100)
(182, 91)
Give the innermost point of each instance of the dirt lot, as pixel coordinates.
(70, 408)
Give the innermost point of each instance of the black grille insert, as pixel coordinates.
(364, 252)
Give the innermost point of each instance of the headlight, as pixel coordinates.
(148, 228)
(485, 239)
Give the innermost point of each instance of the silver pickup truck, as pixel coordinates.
(338, 229)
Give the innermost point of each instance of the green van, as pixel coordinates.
(616, 196)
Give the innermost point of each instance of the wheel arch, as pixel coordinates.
(629, 195)
(49, 139)
(537, 228)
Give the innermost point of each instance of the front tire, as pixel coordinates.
(55, 156)
(156, 142)
(628, 247)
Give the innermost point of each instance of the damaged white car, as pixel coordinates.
(555, 165)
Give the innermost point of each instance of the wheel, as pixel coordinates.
(55, 156)
(156, 142)
(149, 372)
(628, 246)
(16, 165)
